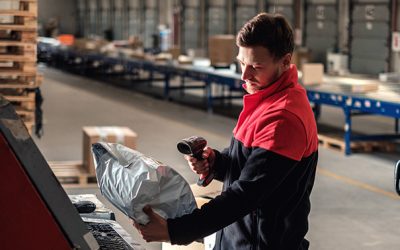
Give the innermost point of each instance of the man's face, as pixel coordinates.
(259, 68)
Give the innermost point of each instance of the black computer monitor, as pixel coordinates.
(34, 207)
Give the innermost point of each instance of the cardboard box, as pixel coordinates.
(175, 52)
(313, 73)
(211, 191)
(89, 45)
(121, 135)
(222, 50)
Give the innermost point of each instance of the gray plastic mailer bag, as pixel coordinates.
(130, 180)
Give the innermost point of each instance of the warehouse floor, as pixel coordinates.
(353, 202)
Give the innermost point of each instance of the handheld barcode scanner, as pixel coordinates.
(193, 146)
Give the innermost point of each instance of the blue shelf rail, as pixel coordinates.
(358, 104)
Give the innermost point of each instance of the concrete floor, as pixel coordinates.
(353, 203)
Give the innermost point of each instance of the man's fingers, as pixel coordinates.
(149, 211)
(135, 224)
(146, 234)
(190, 158)
(202, 166)
(203, 171)
(205, 154)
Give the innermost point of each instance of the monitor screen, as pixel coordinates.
(35, 207)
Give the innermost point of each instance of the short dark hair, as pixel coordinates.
(271, 31)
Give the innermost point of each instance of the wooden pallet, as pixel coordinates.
(18, 27)
(25, 8)
(72, 172)
(25, 101)
(19, 85)
(18, 48)
(26, 114)
(18, 42)
(19, 17)
(333, 138)
(16, 72)
(17, 58)
(18, 13)
(11, 81)
(12, 43)
(17, 55)
(8, 69)
(21, 98)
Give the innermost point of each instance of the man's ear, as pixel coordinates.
(286, 59)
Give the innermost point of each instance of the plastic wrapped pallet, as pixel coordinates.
(130, 180)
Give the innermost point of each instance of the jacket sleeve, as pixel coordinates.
(264, 170)
(221, 164)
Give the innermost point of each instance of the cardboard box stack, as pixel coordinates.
(18, 39)
(222, 50)
(121, 135)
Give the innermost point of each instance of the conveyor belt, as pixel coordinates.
(383, 101)
(91, 63)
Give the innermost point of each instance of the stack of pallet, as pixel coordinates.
(18, 40)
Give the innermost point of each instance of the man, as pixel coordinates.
(269, 168)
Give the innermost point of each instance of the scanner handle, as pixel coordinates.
(204, 179)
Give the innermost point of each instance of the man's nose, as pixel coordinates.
(246, 73)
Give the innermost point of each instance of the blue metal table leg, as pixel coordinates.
(166, 86)
(230, 97)
(182, 92)
(82, 70)
(347, 130)
(317, 111)
(151, 78)
(209, 97)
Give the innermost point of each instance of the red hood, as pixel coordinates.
(279, 118)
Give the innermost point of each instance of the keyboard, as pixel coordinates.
(107, 237)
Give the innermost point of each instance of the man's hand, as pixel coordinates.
(156, 229)
(202, 166)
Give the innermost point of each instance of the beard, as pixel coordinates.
(254, 85)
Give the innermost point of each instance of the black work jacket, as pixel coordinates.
(268, 173)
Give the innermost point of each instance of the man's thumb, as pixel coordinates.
(148, 210)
